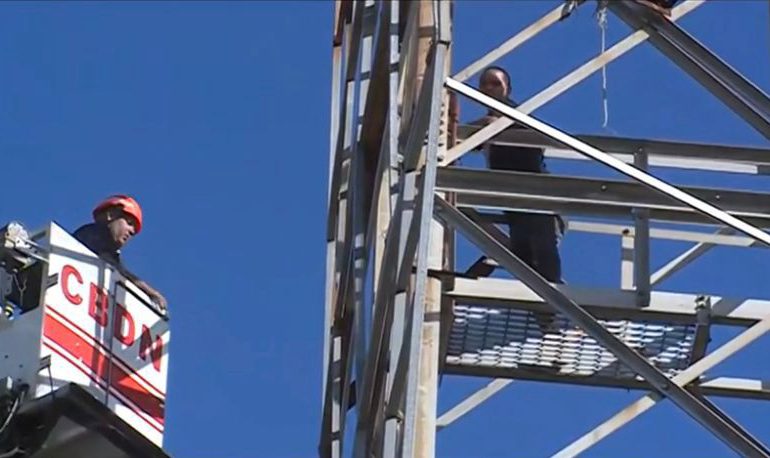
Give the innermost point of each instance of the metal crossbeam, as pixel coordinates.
(609, 303)
(723, 387)
(471, 402)
(699, 155)
(728, 432)
(726, 387)
(574, 195)
(592, 227)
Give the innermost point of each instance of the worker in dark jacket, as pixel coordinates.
(116, 220)
(533, 236)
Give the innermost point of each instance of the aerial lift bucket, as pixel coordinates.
(83, 353)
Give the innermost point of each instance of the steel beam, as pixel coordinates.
(358, 192)
(389, 196)
(339, 248)
(735, 387)
(352, 44)
(593, 227)
(560, 86)
(641, 242)
(383, 313)
(385, 195)
(672, 162)
(350, 295)
(471, 402)
(609, 303)
(702, 329)
(732, 436)
(626, 262)
(384, 200)
(702, 156)
(589, 196)
(426, 395)
(723, 387)
(396, 260)
(335, 116)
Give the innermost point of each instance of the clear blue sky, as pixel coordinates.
(215, 116)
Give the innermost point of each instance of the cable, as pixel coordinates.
(14, 408)
(601, 18)
(11, 414)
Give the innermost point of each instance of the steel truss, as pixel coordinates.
(396, 200)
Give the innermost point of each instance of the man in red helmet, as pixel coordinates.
(116, 220)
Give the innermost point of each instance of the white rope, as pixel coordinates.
(601, 18)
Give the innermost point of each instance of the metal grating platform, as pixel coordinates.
(505, 338)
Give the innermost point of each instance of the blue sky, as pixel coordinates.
(215, 116)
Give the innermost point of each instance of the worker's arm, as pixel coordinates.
(154, 294)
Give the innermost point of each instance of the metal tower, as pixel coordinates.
(400, 313)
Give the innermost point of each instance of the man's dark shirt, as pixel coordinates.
(96, 236)
(518, 158)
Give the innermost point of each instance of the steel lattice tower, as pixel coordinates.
(397, 199)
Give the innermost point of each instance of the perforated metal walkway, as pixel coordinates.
(501, 338)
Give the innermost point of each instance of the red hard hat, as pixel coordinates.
(126, 203)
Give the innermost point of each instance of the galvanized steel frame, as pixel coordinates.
(389, 326)
(373, 347)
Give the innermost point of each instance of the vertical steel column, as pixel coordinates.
(400, 247)
(338, 247)
(627, 260)
(642, 242)
(336, 114)
(390, 435)
(360, 222)
(422, 378)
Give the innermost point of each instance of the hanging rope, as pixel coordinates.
(601, 18)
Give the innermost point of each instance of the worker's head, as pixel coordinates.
(495, 82)
(122, 215)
